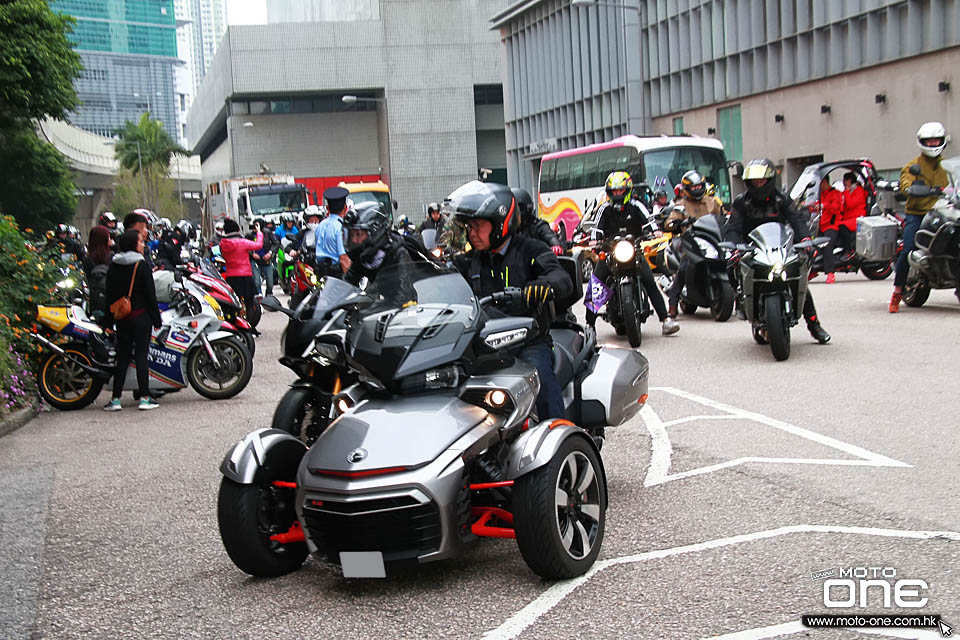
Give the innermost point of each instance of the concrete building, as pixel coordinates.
(795, 80)
(129, 53)
(427, 72)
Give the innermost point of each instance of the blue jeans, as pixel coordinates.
(261, 273)
(550, 398)
(910, 226)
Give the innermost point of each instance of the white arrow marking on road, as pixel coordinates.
(662, 450)
(521, 620)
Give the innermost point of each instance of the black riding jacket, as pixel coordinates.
(540, 230)
(632, 216)
(525, 261)
(748, 214)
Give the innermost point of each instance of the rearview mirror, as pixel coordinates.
(395, 205)
(271, 303)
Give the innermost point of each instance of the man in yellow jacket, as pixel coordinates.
(931, 138)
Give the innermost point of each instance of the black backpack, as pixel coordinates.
(97, 283)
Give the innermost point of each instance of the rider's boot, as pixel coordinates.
(895, 302)
(817, 331)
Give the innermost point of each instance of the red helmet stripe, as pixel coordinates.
(506, 221)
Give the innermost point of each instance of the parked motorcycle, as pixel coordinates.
(708, 279)
(436, 445)
(190, 348)
(935, 262)
(773, 280)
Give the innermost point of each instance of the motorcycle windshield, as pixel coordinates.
(429, 237)
(771, 235)
(708, 225)
(418, 317)
(332, 292)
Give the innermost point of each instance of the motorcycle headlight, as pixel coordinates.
(624, 251)
(777, 271)
(707, 249)
(447, 377)
(322, 353)
(312, 278)
(67, 283)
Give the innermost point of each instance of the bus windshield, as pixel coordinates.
(292, 200)
(663, 168)
(380, 197)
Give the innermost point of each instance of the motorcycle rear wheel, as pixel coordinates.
(877, 270)
(236, 367)
(560, 512)
(631, 315)
(915, 294)
(778, 333)
(722, 307)
(64, 384)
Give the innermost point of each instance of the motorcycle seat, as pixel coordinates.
(567, 345)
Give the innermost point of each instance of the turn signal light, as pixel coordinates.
(642, 399)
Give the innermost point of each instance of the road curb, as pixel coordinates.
(16, 420)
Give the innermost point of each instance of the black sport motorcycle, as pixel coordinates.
(628, 306)
(773, 279)
(708, 279)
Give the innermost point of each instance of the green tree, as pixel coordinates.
(36, 182)
(126, 197)
(146, 145)
(37, 64)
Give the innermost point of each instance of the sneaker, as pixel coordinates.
(831, 278)
(818, 333)
(113, 405)
(895, 302)
(147, 403)
(670, 326)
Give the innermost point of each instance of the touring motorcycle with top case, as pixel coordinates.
(190, 348)
(436, 444)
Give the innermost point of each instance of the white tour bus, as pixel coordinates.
(569, 179)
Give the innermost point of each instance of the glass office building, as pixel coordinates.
(129, 52)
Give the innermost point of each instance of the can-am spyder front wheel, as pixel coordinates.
(560, 512)
(249, 514)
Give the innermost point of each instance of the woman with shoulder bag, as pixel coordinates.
(132, 304)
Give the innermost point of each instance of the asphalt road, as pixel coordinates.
(742, 478)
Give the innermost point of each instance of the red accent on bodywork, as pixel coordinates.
(357, 474)
(284, 484)
(560, 422)
(226, 325)
(242, 323)
(293, 534)
(491, 485)
(481, 529)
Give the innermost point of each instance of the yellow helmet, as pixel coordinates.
(619, 187)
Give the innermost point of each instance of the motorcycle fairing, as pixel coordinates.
(402, 431)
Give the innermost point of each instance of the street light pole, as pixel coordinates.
(350, 99)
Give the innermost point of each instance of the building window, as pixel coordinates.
(183, 101)
(730, 132)
(488, 94)
(678, 126)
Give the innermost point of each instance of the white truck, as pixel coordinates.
(247, 198)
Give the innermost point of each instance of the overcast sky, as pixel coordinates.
(246, 11)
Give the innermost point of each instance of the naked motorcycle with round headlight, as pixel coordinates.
(435, 441)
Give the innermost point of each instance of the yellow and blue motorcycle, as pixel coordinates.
(190, 348)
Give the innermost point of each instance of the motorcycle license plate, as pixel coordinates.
(362, 564)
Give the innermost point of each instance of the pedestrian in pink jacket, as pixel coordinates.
(235, 251)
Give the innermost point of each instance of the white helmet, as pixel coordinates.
(931, 138)
(312, 210)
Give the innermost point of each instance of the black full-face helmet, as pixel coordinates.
(369, 217)
(694, 185)
(525, 203)
(486, 201)
(760, 169)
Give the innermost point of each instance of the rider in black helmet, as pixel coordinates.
(763, 202)
(533, 225)
(502, 257)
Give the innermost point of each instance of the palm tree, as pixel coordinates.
(147, 144)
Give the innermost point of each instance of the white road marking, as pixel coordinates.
(662, 450)
(528, 615)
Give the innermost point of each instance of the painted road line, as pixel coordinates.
(528, 615)
(662, 449)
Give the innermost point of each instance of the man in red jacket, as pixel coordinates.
(831, 216)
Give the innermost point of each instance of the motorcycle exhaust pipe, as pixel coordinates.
(59, 351)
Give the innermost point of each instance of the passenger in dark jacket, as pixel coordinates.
(533, 225)
(129, 275)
